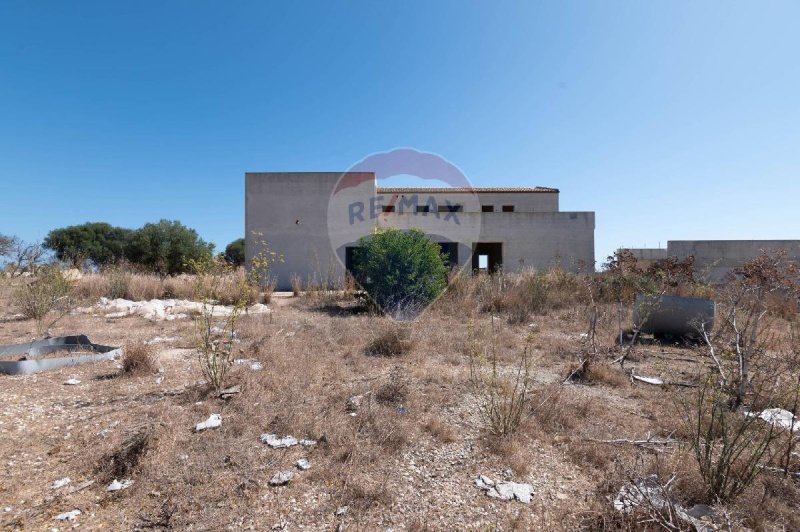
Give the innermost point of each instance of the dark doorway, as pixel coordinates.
(451, 250)
(487, 256)
(350, 260)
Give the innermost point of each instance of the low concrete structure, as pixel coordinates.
(714, 259)
(314, 219)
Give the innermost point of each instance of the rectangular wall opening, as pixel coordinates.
(487, 208)
(451, 250)
(508, 208)
(487, 257)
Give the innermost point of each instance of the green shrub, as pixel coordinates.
(400, 271)
(234, 252)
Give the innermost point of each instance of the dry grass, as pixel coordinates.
(392, 340)
(390, 465)
(139, 359)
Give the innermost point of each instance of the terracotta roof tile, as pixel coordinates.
(426, 190)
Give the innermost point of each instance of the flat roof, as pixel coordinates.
(425, 190)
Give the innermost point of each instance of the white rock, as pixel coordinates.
(117, 485)
(60, 483)
(282, 478)
(505, 491)
(307, 443)
(780, 418)
(72, 382)
(342, 510)
(214, 421)
(303, 464)
(278, 443)
(68, 516)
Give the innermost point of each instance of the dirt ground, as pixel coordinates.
(405, 459)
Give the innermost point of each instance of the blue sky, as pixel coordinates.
(671, 120)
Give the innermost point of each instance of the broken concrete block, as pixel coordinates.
(505, 491)
(307, 443)
(227, 393)
(72, 382)
(303, 464)
(214, 421)
(278, 443)
(117, 485)
(282, 478)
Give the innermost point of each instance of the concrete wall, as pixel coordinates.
(714, 259)
(290, 211)
(530, 240)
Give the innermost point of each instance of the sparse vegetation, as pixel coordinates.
(401, 410)
(139, 359)
(392, 340)
(502, 399)
(45, 298)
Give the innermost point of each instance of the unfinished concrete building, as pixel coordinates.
(714, 259)
(314, 219)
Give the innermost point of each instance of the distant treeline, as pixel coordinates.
(166, 247)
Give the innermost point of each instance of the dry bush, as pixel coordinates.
(297, 285)
(143, 287)
(138, 359)
(440, 430)
(267, 289)
(394, 390)
(393, 340)
(729, 446)
(91, 287)
(119, 282)
(122, 461)
(46, 298)
(502, 400)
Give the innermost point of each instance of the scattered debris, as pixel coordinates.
(33, 354)
(160, 340)
(227, 393)
(303, 464)
(80, 487)
(68, 516)
(72, 382)
(116, 485)
(354, 403)
(163, 309)
(282, 478)
(649, 380)
(779, 418)
(278, 443)
(342, 510)
(60, 483)
(255, 365)
(648, 490)
(214, 421)
(505, 491)
(307, 443)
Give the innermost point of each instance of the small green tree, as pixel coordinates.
(99, 242)
(234, 252)
(167, 247)
(401, 271)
